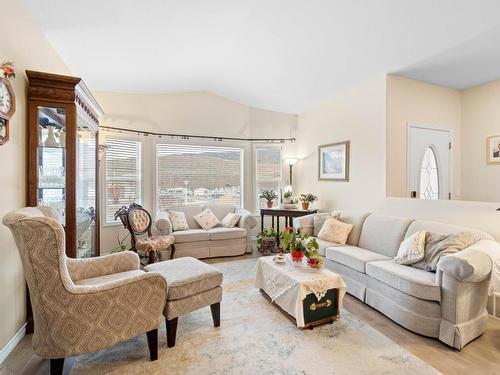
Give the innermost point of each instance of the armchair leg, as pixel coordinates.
(171, 331)
(56, 366)
(172, 251)
(216, 313)
(153, 344)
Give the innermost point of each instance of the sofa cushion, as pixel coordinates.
(353, 257)
(191, 235)
(412, 249)
(356, 219)
(433, 226)
(178, 220)
(99, 280)
(335, 231)
(323, 245)
(383, 234)
(220, 210)
(189, 211)
(206, 219)
(226, 233)
(230, 220)
(409, 280)
(319, 219)
(187, 276)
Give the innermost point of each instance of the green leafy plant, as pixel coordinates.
(269, 195)
(266, 241)
(293, 240)
(308, 198)
(287, 194)
(121, 244)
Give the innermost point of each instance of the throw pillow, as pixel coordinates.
(319, 220)
(206, 219)
(178, 220)
(412, 249)
(334, 230)
(438, 245)
(230, 220)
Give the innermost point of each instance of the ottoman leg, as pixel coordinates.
(216, 313)
(171, 331)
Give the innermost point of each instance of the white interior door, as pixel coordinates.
(429, 162)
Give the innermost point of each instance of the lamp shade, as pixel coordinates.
(291, 161)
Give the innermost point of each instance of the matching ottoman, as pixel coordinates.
(191, 285)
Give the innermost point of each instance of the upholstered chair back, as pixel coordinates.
(41, 243)
(139, 220)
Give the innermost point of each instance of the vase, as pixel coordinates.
(62, 138)
(51, 140)
(305, 205)
(297, 256)
(270, 204)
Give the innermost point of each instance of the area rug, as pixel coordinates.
(256, 338)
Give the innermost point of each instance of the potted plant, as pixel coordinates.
(287, 197)
(266, 241)
(299, 245)
(269, 195)
(307, 199)
(121, 244)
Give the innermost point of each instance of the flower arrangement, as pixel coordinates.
(307, 199)
(301, 245)
(7, 70)
(266, 241)
(270, 196)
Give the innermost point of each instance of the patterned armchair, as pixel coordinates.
(83, 305)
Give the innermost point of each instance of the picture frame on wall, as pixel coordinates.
(493, 149)
(333, 161)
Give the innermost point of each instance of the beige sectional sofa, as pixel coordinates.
(216, 242)
(449, 304)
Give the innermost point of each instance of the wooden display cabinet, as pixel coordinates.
(63, 165)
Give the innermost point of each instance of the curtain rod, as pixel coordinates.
(188, 136)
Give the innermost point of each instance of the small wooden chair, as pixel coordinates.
(138, 222)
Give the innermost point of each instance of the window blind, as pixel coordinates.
(267, 170)
(123, 175)
(188, 174)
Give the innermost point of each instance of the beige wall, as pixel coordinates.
(24, 44)
(418, 102)
(480, 119)
(195, 113)
(358, 115)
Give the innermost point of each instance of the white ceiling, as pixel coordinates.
(283, 55)
(471, 63)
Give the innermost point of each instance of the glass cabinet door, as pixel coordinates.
(51, 159)
(86, 190)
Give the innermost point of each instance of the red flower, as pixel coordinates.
(313, 262)
(289, 229)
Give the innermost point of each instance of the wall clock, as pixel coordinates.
(7, 108)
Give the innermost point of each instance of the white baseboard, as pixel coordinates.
(7, 349)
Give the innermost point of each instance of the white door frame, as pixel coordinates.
(419, 125)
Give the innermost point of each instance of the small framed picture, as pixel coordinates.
(333, 161)
(493, 149)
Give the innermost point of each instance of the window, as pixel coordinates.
(429, 178)
(123, 175)
(267, 170)
(187, 174)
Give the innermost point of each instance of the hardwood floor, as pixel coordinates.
(482, 356)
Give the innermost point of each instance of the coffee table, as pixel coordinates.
(307, 297)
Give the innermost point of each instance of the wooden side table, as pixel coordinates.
(288, 214)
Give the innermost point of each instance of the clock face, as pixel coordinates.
(5, 98)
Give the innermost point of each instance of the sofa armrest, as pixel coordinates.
(163, 224)
(468, 265)
(86, 268)
(464, 279)
(306, 223)
(247, 220)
